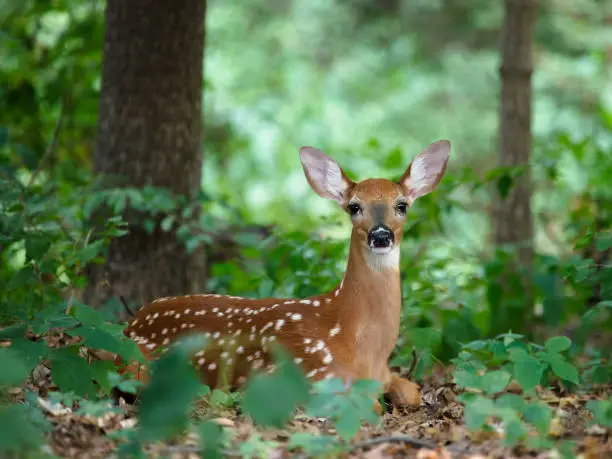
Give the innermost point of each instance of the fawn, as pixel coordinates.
(348, 333)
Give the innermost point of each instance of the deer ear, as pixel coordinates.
(426, 170)
(324, 174)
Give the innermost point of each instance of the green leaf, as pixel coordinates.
(166, 400)
(563, 369)
(14, 372)
(348, 424)
(14, 331)
(87, 315)
(604, 242)
(602, 411)
(71, 373)
(558, 344)
(539, 415)
(270, 399)
(212, 439)
(527, 370)
(477, 410)
(495, 381)
(30, 352)
(21, 427)
(100, 371)
(313, 445)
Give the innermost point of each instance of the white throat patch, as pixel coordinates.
(381, 259)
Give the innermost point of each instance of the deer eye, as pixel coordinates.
(354, 208)
(401, 208)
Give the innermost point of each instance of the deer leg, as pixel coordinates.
(401, 391)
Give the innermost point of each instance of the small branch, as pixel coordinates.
(415, 360)
(52, 146)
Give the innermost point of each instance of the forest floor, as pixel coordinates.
(438, 422)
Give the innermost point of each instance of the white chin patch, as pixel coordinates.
(382, 258)
(381, 250)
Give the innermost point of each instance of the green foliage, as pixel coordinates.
(271, 399)
(490, 365)
(602, 411)
(347, 407)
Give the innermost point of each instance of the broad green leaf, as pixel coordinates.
(71, 373)
(30, 352)
(100, 370)
(13, 331)
(604, 242)
(87, 315)
(270, 399)
(347, 425)
(212, 439)
(558, 344)
(527, 370)
(602, 411)
(14, 371)
(563, 369)
(512, 401)
(166, 400)
(20, 427)
(493, 382)
(477, 410)
(539, 415)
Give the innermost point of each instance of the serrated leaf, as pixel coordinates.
(71, 373)
(558, 344)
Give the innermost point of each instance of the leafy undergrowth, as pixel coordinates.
(503, 397)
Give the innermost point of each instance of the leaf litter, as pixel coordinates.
(437, 428)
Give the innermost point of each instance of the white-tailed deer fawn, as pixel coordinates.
(349, 332)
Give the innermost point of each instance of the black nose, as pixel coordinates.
(380, 237)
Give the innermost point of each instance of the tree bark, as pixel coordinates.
(512, 219)
(150, 133)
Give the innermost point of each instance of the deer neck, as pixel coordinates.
(370, 293)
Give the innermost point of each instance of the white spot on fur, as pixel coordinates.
(298, 360)
(279, 324)
(187, 311)
(164, 331)
(240, 350)
(305, 301)
(334, 331)
(212, 366)
(296, 317)
(307, 341)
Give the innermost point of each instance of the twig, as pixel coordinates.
(415, 360)
(126, 307)
(52, 146)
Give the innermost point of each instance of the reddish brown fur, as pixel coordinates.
(348, 332)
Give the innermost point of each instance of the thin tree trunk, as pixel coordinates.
(512, 222)
(150, 133)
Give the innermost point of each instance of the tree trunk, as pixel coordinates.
(150, 133)
(512, 220)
